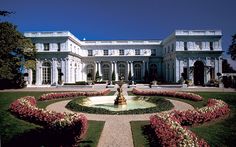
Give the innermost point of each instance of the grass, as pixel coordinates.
(221, 132)
(15, 131)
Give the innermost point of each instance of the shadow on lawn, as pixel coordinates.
(43, 138)
(149, 134)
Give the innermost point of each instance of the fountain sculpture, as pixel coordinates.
(120, 99)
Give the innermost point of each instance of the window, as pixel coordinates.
(90, 52)
(58, 47)
(46, 46)
(105, 72)
(153, 52)
(137, 72)
(90, 72)
(199, 45)
(185, 46)
(137, 51)
(211, 46)
(121, 70)
(105, 52)
(168, 49)
(121, 52)
(46, 71)
(212, 73)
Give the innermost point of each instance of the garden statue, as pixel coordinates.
(120, 99)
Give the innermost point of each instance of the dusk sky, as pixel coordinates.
(123, 19)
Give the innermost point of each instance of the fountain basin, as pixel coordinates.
(107, 102)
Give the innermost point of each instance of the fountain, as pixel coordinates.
(120, 99)
(119, 102)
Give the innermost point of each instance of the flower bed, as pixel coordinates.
(63, 123)
(168, 129)
(51, 96)
(183, 95)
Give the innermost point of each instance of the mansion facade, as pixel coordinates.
(194, 54)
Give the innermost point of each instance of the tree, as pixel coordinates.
(226, 68)
(232, 48)
(15, 50)
(5, 13)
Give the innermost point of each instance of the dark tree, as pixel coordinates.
(232, 48)
(5, 13)
(15, 50)
(226, 68)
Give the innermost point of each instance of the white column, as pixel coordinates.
(99, 69)
(84, 71)
(54, 71)
(38, 73)
(128, 67)
(220, 65)
(143, 69)
(63, 70)
(177, 70)
(132, 68)
(67, 73)
(112, 69)
(96, 67)
(30, 76)
(116, 70)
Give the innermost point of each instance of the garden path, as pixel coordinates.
(117, 130)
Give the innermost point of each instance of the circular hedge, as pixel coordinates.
(161, 105)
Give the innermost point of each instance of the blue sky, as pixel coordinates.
(123, 19)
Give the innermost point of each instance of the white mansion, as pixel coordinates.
(63, 57)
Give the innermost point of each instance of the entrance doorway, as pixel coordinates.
(198, 73)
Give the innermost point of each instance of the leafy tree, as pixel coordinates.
(15, 50)
(5, 13)
(226, 68)
(232, 47)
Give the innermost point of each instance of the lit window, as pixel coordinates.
(90, 52)
(121, 52)
(137, 51)
(199, 45)
(46, 46)
(105, 52)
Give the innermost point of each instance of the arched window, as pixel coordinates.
(105, 71)
(121, 70)
(46, 70)
(137, 72)
(90, 72)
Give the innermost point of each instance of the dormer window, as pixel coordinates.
(90, 52)
(211, 46)
(121, 52)
(58, 47)
(46, 46)
(137, 51)
(105, 52)
(185, 46)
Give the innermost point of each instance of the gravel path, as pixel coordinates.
(117, 130)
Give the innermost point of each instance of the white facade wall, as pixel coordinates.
(170, 59)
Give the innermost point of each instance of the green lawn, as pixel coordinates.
(14, 131)
(221, 132)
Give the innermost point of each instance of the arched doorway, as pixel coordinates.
(121, 70)
(153, 72)
(90, 72)
(46, 71)
(106, 72)
(198, 73)
(137, 72)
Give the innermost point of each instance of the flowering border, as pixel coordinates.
(71, 124)
(168, 125)
(51, 96)
(182, 95)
